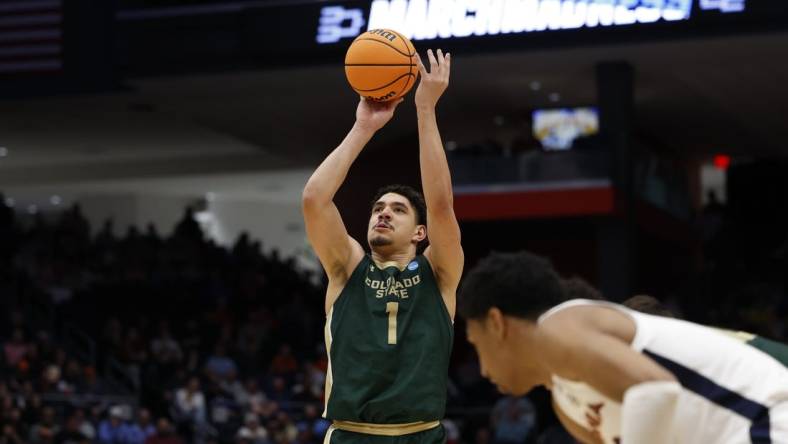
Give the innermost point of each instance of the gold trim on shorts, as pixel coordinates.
(386, 429)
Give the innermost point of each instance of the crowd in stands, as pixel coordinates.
(148, 339)
(145, 339)
(744, 275)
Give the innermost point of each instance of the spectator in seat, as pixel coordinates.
(252, 430)
(140, 431)
(513, 419)
(190, 402)
(15, 349)
(219, 366)
(46, 429)
(113, 430)
(71, 434)
(165, 434)
(284, 364)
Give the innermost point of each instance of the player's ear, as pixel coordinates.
(496, 323)
(420, 234)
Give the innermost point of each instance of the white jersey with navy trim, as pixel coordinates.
(731, 393)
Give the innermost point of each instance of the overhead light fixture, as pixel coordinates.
(535, 85)
(55, 200)
(3, 151)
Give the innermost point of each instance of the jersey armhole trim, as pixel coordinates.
(350, 278)
(443, 301)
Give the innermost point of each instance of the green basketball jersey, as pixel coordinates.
(389, 339)
(776, 350)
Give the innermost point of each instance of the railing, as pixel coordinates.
(89, 400)
(119, 377)
(531, 167)
(79, 343)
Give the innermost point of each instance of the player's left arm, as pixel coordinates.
(445, 251)
(576, 347)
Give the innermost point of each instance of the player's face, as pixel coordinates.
(393, 223)
(498, 358)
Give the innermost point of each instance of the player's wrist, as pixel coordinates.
(425, 108)
(364, 128)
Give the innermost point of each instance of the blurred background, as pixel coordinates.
(156, 284)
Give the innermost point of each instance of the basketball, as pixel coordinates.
(381, 65)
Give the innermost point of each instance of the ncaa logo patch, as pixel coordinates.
(413, 265)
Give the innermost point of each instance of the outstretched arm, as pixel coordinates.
(337, 251)
(445, 251)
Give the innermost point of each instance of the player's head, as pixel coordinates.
(576, 287)
(397, 220)
(649, 305)
(501, 298)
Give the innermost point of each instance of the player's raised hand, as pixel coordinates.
(374, 115)
(434, 82)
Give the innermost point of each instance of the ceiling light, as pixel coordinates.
(55, 200)
(535, 85)
(3, 151)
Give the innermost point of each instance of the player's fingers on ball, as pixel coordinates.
(420, 64)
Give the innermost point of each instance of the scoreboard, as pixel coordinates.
(220, 35)
(442, 19)
(317, 28)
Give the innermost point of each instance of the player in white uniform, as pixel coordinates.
(619, 376)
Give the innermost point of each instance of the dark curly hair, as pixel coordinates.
(519, 284)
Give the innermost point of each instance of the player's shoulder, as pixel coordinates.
(580, 311)
(580, 317)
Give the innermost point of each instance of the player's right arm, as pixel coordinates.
(337, 251)
(579, 344)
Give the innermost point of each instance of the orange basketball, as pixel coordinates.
(381, 65)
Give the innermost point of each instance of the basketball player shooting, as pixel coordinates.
(617, 375)
(389, 327)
